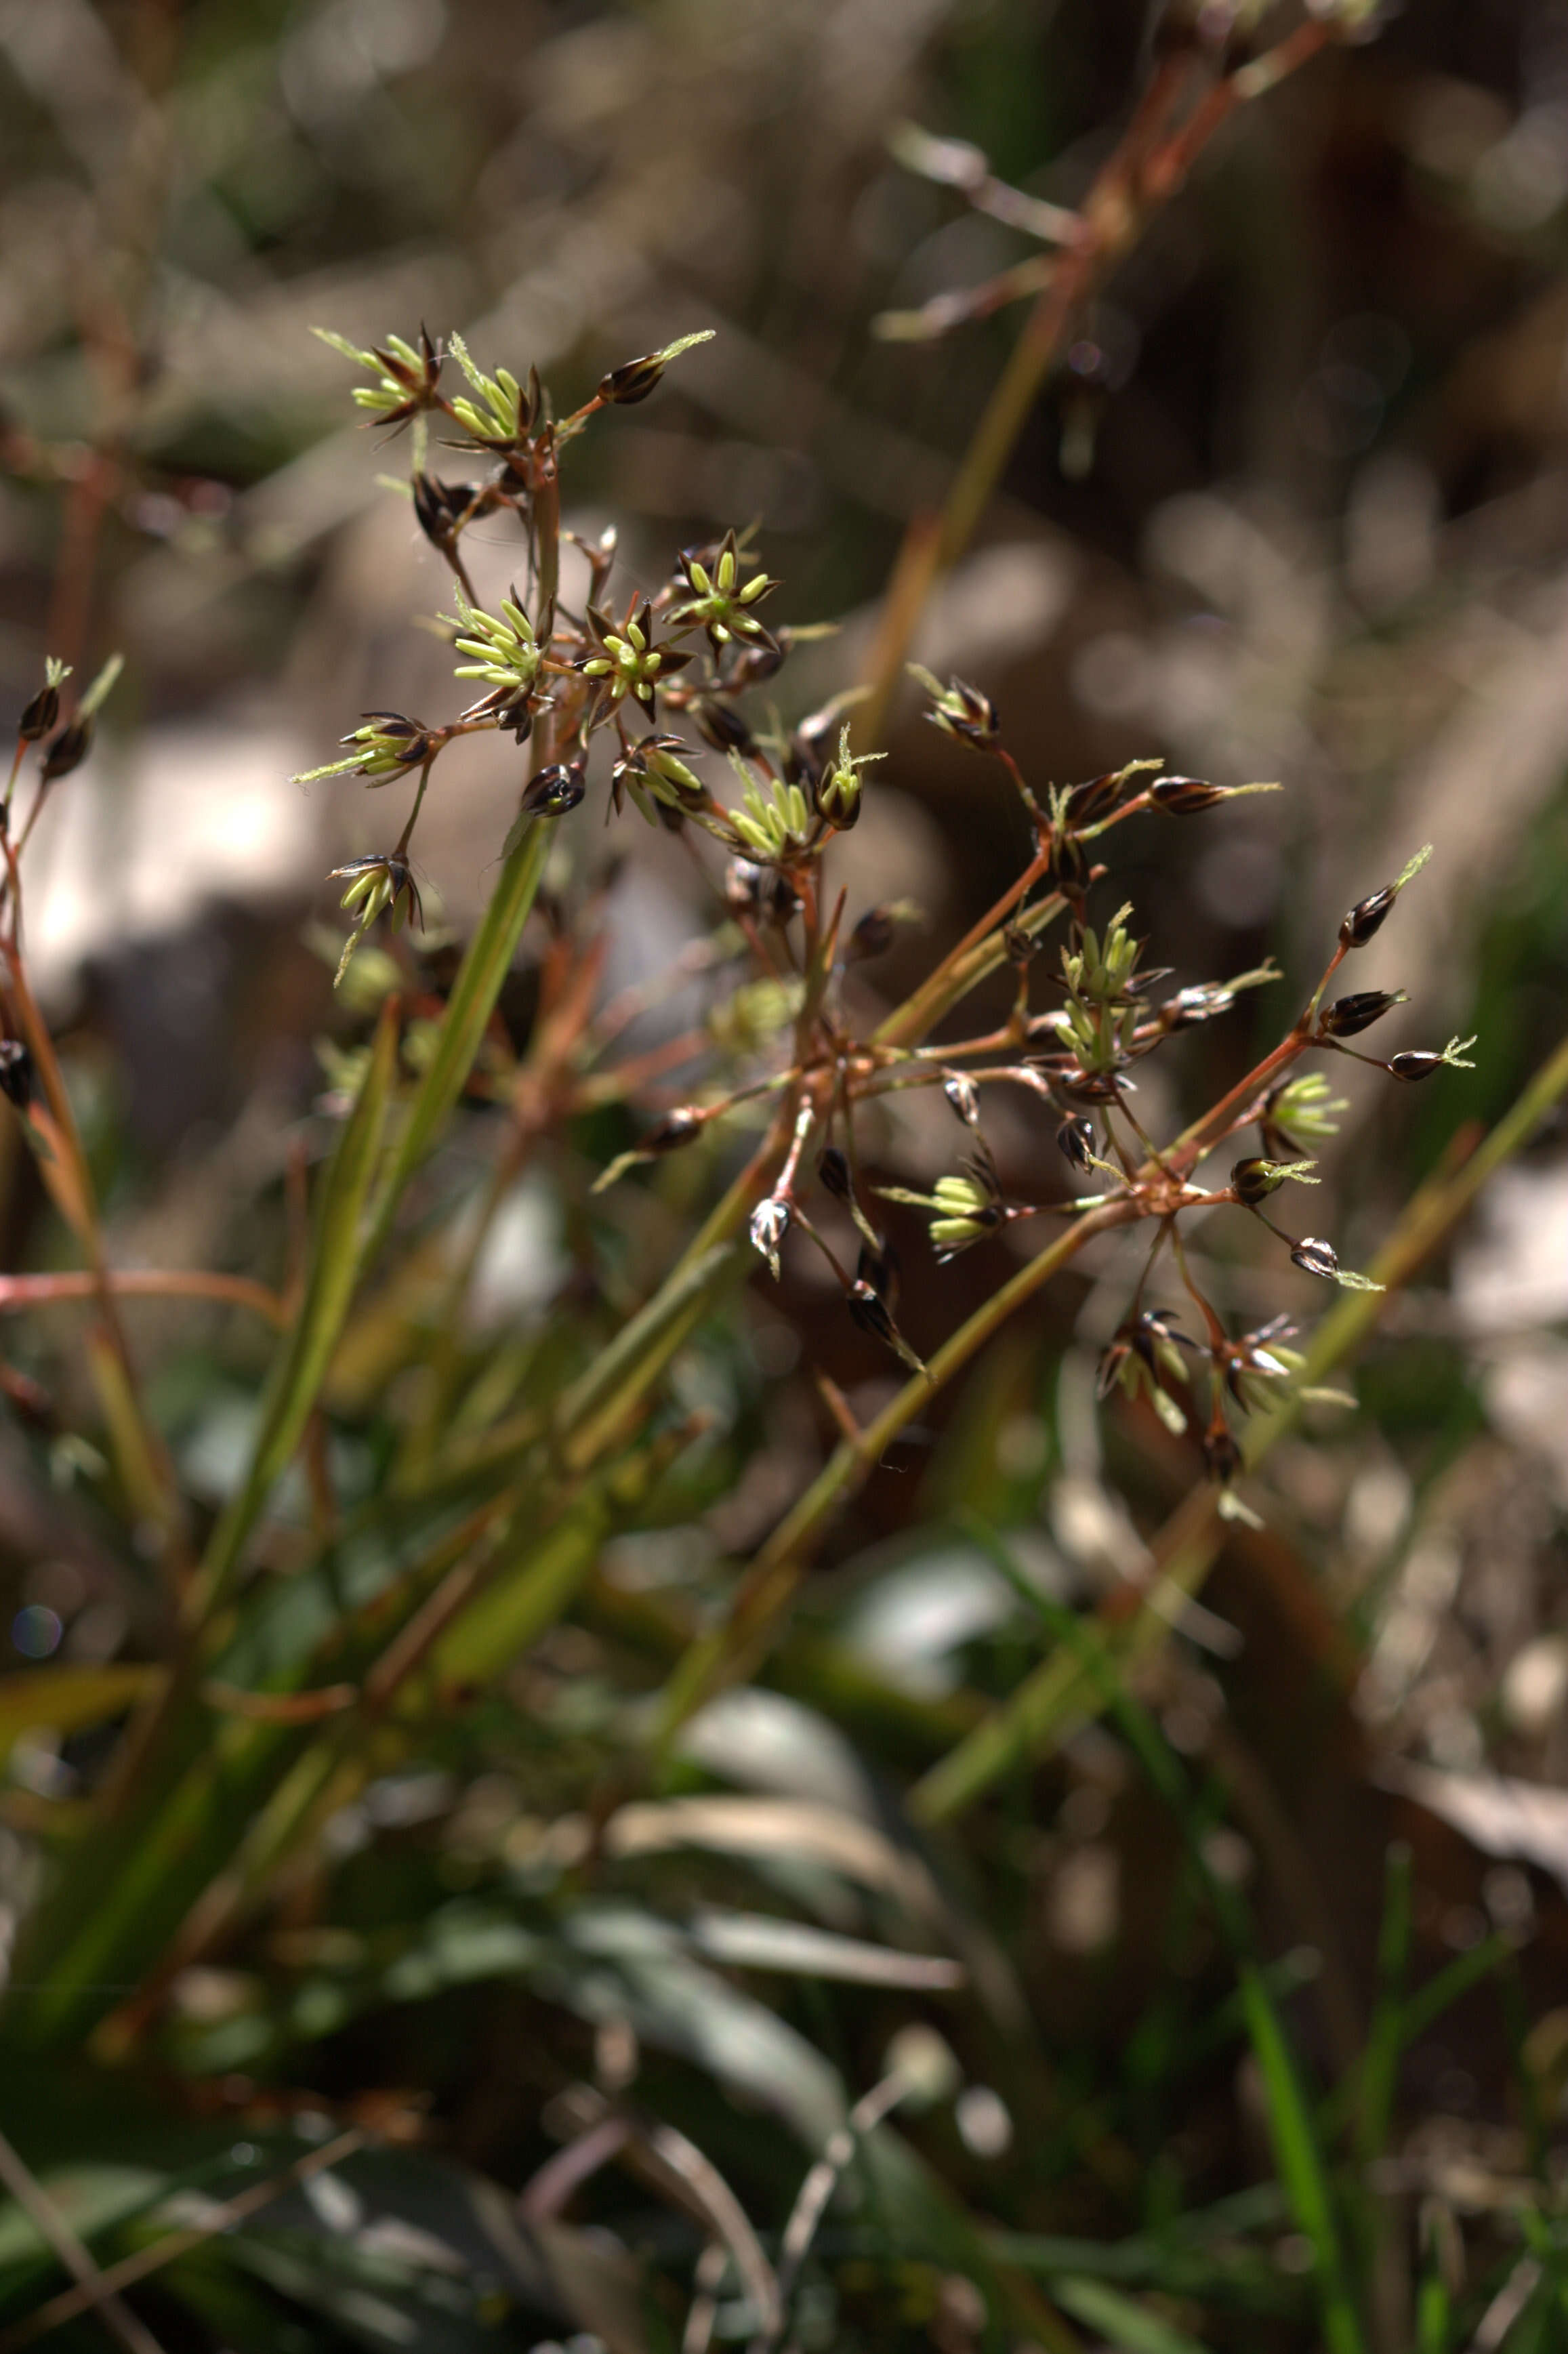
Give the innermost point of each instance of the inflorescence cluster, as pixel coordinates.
(664, 678)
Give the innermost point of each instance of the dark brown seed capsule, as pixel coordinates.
(871, 1314)
(964, 1097)
(724, 729)
(69, 750)
(877, 1270)
(15, 1072)
(1366, 917)
(1184, 796)
(834, 1171)
(1076, 1141)
(554, 790)
(40, 715)
(1200, 1004)
(871, 935)
(1254, 1181)
(754, 666)
(633, 380)
(1022, 946)
(1222, 1454)
(440, 507)
(1348, 1016)
(1088, 801)
(1414, 1066)
(676, 1127)
(1069, 864)
(1090, 1087)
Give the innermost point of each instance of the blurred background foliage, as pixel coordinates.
(1238, 2019)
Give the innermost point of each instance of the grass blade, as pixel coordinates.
(300, 1366)
(1120, 2320)
(1300, 2162)
(469, 1008)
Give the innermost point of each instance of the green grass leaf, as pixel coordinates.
(300, 1368)
(1120, 2320)
(469, 1008)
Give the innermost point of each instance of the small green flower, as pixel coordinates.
(748, 1020)
(655, 767)
(502, 649)
(963, 1209)
(777, 827)
(406, 376)
(1305, 1108)
(388, 744)
(504, 413)
(1103, 970)
(838, 789)
(1145, 1358)
(628, 662)
(959, 710)
(719, 601)
(376, 886)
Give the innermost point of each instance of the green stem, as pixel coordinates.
(761, 1606)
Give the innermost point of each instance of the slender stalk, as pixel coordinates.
(1139, 176)
(28, 1291)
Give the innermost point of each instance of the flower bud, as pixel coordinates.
(1348, 1016)
(1316, 1257)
